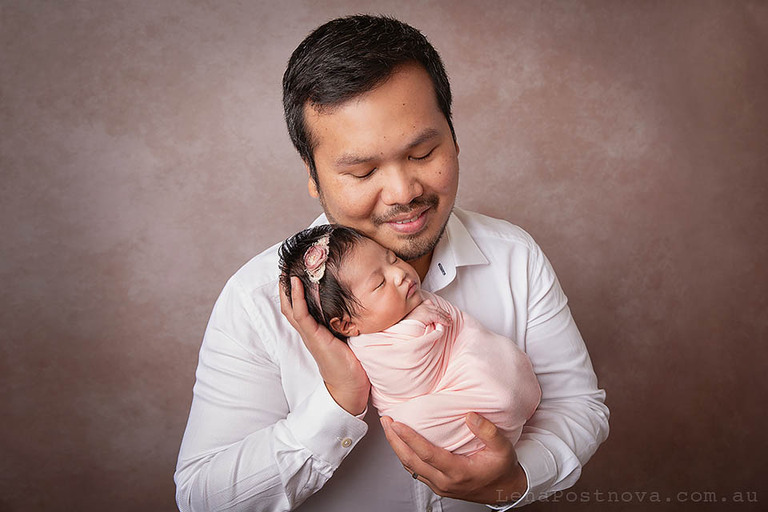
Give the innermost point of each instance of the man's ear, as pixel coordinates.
(311, 185)
(344, 326)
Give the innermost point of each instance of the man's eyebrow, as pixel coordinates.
(351, 159)
(428, 134)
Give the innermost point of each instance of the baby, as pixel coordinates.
(429, 363)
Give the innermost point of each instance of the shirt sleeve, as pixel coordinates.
(572, 419)
(244, 448)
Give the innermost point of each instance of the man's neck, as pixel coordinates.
(421, 265)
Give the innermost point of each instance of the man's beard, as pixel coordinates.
(416, 246)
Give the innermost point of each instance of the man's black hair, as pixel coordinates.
(347, 57)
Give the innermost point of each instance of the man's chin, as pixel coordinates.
(415, 247)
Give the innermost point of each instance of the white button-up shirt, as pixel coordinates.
(265, 434)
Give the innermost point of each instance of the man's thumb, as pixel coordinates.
(484, 430)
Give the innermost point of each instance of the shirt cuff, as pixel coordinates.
(502, 508)
(324, 428)
(540, 470)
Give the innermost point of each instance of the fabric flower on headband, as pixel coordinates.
(315, 258)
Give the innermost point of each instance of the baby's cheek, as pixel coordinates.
(395, 312)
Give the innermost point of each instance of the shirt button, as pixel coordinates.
(429, 508)
(346, 442)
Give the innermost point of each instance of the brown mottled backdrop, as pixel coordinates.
(144, 159)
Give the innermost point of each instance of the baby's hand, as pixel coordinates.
(430, 313)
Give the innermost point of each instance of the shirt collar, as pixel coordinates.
(320, 220)
(456, 248)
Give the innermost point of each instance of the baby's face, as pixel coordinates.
(386, 287)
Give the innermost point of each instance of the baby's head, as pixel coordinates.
(352, 284)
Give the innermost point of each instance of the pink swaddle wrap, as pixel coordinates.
(430, 376)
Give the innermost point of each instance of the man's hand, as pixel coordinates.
(490, 476)
(343, 375)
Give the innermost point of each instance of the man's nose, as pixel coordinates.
(401, 186)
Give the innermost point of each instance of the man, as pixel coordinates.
(279, 412)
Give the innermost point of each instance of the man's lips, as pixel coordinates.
(409, 223)
(408, 216)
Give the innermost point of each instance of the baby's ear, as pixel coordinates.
(344, 326)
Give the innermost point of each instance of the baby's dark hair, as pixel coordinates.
(336, 300)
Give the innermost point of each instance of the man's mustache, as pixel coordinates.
(400, 209)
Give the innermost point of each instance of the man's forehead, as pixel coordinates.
(414, 93)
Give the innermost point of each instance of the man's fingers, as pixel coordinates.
(414, 451)
(401, 449)
(297, 313)
(487, 432)
(407, 457)
(299, 302)
(285, 302)
(302, 320)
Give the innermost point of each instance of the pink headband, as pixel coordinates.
(314, 265)
(315, 258)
